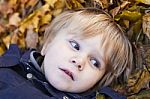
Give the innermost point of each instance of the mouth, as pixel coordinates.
(68, 73)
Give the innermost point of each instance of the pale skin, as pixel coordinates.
(72, 64)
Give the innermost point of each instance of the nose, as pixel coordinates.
(78, 62)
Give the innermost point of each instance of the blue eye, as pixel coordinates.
(74, 44)
(95, 62)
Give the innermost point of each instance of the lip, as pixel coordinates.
(69, 73)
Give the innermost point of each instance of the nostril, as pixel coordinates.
(73, 61)
(79, 66)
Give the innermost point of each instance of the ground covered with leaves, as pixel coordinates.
(23, 22)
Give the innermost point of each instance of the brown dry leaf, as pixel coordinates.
(73, 4)
(103, 3)
(21, 42)
(6, 41)
(2, 28)
(126, 23)
(138, 80)
(144, 94)
(5, 9)
(118, 9)
(14, 37)
(146, 24)
(31, 38)
(2, 48)
(34, 18)
(32, 3)
(14, 20)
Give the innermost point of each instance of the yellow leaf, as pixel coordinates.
(144, 1)
(128, 15)
(2, 48)
(32, 2)
(51, 2)
(99, 96)
(46, 19)
(34, 19)
(12, 2)
(14, 19)
(21, 42)
(73, 4)
(57, 12)
(6, 41)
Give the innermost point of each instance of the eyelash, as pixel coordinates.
(74, 43)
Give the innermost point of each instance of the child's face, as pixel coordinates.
(72, 64)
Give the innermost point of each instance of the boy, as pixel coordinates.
(83, 51)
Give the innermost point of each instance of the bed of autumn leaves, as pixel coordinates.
(23, 22)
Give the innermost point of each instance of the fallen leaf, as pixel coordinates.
(14, 37)
(59, 4)
(14, 20)
(2, 29)
(129, 15)
(6, 41)
(2, 48)
(34, 18)
(73, 4)
(103, 3)
(138, 80)
(144, 94)
(144, 1)
(31, 38)
(31, 3)
(56, 12)
(146, 24)
(118, 9)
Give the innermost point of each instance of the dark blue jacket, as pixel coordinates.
(20, 78)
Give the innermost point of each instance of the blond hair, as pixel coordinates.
(92, 22)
